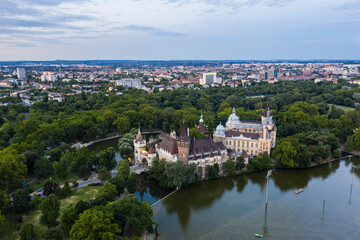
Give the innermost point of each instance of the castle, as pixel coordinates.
(237, 138)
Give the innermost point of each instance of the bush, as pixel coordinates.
(27, 232)
(336, 153)
(52, 234)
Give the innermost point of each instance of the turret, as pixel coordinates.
(183, 144)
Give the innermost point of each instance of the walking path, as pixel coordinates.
(165, 197)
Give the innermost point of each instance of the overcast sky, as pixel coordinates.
(179, 29)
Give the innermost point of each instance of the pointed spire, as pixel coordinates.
(233, 111)
(201, 118)
(183, 133)
(138, 136)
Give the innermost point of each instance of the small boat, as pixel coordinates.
(258, 235)
(299, 191)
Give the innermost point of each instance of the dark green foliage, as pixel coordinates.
(107, 158)
(104, 174)
(131, 183)
(27, 232)
(108, 194)
(71, 214)
(66, 190)
(50, 208)
(43, 167)
(50, 187)
(240, 163)
(229, 167)
(131, 211)
(157, 172)
(52, 234)
(262, 162)
(213, 171)
(21, 200)
(179, 174)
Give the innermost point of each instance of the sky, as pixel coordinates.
(179, 29)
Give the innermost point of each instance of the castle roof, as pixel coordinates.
(169, 144)
(183, 137)
(233, 120)
(231, 133)
(138, 136)
(205, 144)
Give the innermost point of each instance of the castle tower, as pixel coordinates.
(183, 144)
(202, 128)
(139, 144)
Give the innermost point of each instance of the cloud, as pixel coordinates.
(230, 3)
(151, 30)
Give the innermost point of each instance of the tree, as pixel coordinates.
(357, 139)
(229, 167)
(71, 214)
(135, 214)
(179, 174)
(61, 168)
(213, 171)
(131, 183)
(126, 145)
(27, 232)
(157, 172)
(123, 124)
(285, 152)
(43, 167)
(95, 223)
(21, 200)
(50, 209)
(66, 190)
(349, 144)
(50, 187)
(12, 170)
(2, 218)
(52, 234)
(107, 194)
(240, 162)
(75, 184)
(107, 158)
(104, 174)
(124, 169)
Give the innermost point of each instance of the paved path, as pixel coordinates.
(94, 178)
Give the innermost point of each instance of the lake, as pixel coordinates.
(234, 207)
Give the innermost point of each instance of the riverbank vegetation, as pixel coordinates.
(309, 130)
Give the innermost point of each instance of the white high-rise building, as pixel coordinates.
(48, 77)
(208, 78)
(128, 82)
(21, 74)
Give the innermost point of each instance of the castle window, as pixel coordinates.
(243, 144)
(256, 145)
(247, 144)
(238, 143)
(234, 143)
(226, 142)
(251, 152)
(245, 130)
(252, 145)
(254, 130)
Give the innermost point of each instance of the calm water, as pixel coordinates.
(234, 207)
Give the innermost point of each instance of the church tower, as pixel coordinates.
(183, 144)
(139, 144)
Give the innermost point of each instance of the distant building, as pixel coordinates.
(262, 75)
(21, 74)
(272, 73)
(48, 77)
(128, 83)
(210, 78)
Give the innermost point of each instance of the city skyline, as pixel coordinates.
(179, 29)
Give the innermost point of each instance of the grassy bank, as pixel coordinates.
(8, 231)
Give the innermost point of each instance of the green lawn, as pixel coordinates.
(345, 108)
(8, 229)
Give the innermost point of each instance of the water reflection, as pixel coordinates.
(203, 195)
